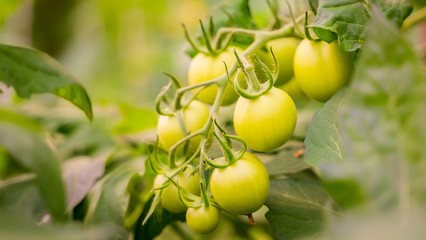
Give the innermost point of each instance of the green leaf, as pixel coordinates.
(297, 208)
(80, 174)
(21, 120)
(285, 162)
(108, 199)
(155, 224)
(348, 19)
(135, 119)
(32, 153)
(230, 13)
(323, 141)
(16, 227)
(379, 126)
(30, 71)
(21, 195)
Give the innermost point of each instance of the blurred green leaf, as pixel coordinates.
(135, 119)
(84, 139)
(16, 227)
(230, 13)
(21, 195)
(155, 224)
(21, 120)
(285, 162)
(297, 208)
(379, 126)
(108, 199)
(31, 152)
(138, 197)
(80, 174)
(30, 71)
(323, 140)
(349, 18)
(345, 192)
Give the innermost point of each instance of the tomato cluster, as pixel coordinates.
(264, 119)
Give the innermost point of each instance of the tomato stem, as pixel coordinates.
(251, 219)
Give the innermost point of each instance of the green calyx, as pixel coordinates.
(211, 49)
(225, 142)
(254, 87)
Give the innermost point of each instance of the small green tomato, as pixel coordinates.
(321, 68)
(170, 196)
(267, 121)
(203, 219)
(242, 187)
(194, 117)
(204, 68)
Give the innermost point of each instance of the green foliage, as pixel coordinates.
(298, 208)
(38, 158)
(30, 71)
(376, 125)
(348, 19)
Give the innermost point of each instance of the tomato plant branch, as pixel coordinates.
(415, 18)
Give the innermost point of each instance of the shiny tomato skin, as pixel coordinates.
(203, 219)
(284, 49)
(169, 196)
(194, 117)
(266, 122)
(242, 187)
(321, 69)
(204, 68)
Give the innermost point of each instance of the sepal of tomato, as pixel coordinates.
(206, 67)
(284, 49)
(267, 121)
(195, 115)
(170, 196)
(242, 187)
(321, 68)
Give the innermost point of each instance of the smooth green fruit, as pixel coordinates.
(293, 89)
(203, 219)
(194, 117)
(321, 69)
(266, 122)
(284, 49)
(204, 68)
(170, 196)
(242, 187)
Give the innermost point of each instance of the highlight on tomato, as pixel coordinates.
(242, 187)
(169, 131)
(265, 122)
(321, 68)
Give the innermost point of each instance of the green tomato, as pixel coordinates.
(293, 89)
(203, 219)
(284, 49)
(242, 187)
(194, 117)
(170, 196)
(321, 68)
(266, 122)
(204, 68)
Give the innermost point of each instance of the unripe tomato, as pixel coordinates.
(284, 49)
(203, 219)
(170, 196)
(293, 89)
(321, 69)
(242, 187)
(194, 117)
(204, 67)
(266, 122)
